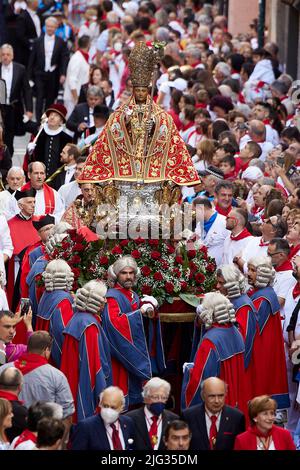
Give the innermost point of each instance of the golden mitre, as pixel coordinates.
(142, 61)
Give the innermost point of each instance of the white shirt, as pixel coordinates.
(69, 193)
(233, 248)
(3, 300)
(70, 170)
(289, 306)
(215, 237)
(148, 418)
(284, 281)
(91, 117)
(252, 250)
(25, 445)
(7, 76)
(49, 46)
(36, 20)
(109, 432)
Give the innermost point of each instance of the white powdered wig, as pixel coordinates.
(216, 308)
(58, 275)
(235, 282)
(265, 273)
(120, 264)
(91, 297)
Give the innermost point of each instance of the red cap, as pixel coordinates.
(57, 108)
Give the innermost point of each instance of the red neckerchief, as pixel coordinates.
(255, 209)
(185, 127)
(297, 163)
(296, 291)
(241, 98)
(244, 234)
(10, 396)
(230, 175)
(194, 65)
(201, 106)
(262, 243)
(25, 436)
(267, 121)
(29, 361)
(259, 85)
(223, 211)
(49, 197)
(294, 251)
(283, 98)
(84, 54)
(286, 266)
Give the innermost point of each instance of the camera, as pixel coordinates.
(280, 160)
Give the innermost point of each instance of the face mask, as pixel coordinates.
(118, 46)
(157, 408)
(181, 117)
(109, 415)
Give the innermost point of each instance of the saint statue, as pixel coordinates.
(139, 153)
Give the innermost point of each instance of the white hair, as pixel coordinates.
(91, 297)
(235, 282)
(15, 168)
(57, 409)
(154, 384)
(58, 275)
(216, 308)
(223, 68)
(265, 273)
(51, 19)
(120, 264)
(113, 389)
(7, 46)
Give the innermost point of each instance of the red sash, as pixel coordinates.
(223, 211)
(294, 251)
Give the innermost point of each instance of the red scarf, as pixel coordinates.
(84, 54)
(255, 209)
(187, 126)
(267, 121)
(251, 291)
(223, 211)
(49, 197)
(10, 396)
(25, 436)
(286, 266)
(29, 361)
(231, 175)
(262, 243)
(244, 234)
(294, 251)
(296, 291)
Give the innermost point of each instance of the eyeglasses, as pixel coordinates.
(268, 221)
(275, 253)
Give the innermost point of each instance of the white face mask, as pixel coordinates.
(109, 415)
(118, 46)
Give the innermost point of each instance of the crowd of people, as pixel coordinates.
(85, 369)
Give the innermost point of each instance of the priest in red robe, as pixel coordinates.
(22, 234)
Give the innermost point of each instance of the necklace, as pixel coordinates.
(264, 445)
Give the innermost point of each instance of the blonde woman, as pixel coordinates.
(6, 416)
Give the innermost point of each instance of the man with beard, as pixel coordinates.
(236, 222)
(268, 349)
(133, 361)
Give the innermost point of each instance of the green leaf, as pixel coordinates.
(190, 299)
(169, 299)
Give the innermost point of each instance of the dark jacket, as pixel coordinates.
(25, 33)
(90, 434)
(142, 440)
(232, 423)
(81, 113)
(60, 57)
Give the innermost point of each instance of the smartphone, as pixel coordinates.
(280, 160)
(24, 305)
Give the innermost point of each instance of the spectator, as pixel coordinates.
(6, 415)
(177, 436)
(11, 382)
(50, 434)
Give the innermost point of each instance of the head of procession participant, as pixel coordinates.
(44, 226)
(26, 202)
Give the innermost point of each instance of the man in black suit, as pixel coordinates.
(19, 96)
(66, 173)
(151, 421)
(47, 66)
(28, 28)
(82, 115)
(213, 424)
(108, 430)
(109, 95)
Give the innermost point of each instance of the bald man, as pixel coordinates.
(213, 424)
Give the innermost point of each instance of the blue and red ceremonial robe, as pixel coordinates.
(35, 291)
(54, 313)
(32, 253)
(86, 362)
(133, 362)
(220, 354)
(269, 348)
